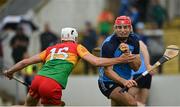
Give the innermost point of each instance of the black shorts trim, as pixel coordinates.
(107, 87)
(144, 82)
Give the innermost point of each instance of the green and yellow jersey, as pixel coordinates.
(60, 59)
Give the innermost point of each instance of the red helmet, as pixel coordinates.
(123, 20)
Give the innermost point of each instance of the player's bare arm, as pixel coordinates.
(115, 77)
(22, 64)
(97, 61)
(144, 50)
(136, 63)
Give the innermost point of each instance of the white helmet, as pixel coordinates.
(69, 34)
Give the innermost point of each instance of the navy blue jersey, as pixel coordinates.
(110, 49)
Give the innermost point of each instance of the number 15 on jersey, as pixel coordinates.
(61, 54)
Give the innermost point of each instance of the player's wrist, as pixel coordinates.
(122, 82)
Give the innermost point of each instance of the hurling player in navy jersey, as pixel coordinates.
(113, 78)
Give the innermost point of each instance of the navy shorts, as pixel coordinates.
(144, 82)
(107, 87)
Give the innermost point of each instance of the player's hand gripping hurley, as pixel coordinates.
(170, 52)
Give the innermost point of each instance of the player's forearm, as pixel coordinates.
(97, 61)
(145, 53)
(20, 65)
(113, 76)
(108, 61)
(25, 62)
(136, 63)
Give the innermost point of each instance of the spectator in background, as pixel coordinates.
(19, 44)
(90, 42)
(158, 13)
(47, 38)
(129, 8)
(134, 15)
(142, 6)
(105, 24)
(124, 7)
(140, 31)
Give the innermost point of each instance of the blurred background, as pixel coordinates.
(29, 26)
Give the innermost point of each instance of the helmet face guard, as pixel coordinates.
(123, 27)
(69, 34)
